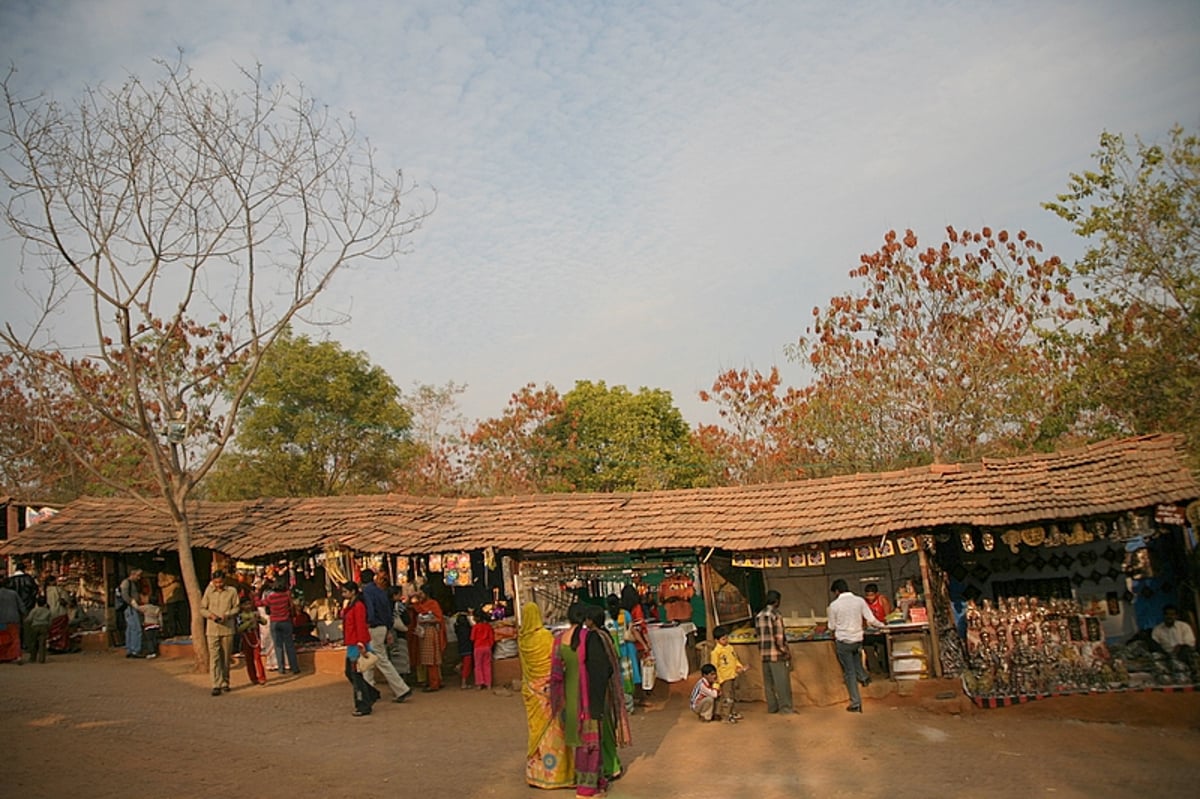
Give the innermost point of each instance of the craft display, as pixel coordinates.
(1021, 647)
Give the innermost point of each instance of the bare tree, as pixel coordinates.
(188, 224)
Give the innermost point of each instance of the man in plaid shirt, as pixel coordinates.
(776, 657)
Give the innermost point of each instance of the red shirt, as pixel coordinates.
(278, 605)
(354, 624)
(482, 635)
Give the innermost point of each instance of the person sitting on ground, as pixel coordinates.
(705, 693)
(1174, 636)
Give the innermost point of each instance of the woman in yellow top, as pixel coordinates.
(548, 761)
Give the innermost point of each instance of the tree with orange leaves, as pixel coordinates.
(758, 443)
(946, 353)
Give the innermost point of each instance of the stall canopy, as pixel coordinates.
(1108, 477)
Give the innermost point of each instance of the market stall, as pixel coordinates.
(666, 584)
(803, 576)
(1066, 608)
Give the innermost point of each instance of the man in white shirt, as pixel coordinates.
(847, 615)
(1173, 635)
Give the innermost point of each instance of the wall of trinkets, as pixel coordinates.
(460, 581)
(668, 586)
(1067, 607)
(669, 590)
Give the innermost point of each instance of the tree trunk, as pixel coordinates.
(187, 565)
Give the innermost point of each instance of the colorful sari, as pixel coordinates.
(548, 761)
(570, 678)
(631, 670)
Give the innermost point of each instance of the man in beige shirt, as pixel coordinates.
(219, 607)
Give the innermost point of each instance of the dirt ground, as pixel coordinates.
(98, 725)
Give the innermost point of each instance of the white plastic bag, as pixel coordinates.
(648, 674)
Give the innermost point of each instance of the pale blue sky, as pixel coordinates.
(647, 193)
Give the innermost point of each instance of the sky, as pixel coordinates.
(650, 193)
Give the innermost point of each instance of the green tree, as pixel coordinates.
(317, 421)
(187, 225)
(947, 353)
(611, 439)
(1139, 210)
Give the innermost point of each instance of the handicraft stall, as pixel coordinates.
(803, 576)
(666, 584)
(1066, 608)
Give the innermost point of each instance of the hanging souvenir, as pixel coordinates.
(435, 563)
(989, 542)
(507, 570)
(451, 577)
(489, 558)
(966, 541)
(462, 565)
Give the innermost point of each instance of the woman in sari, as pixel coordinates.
(582, 689)
(548, 761)
(614, 726)
(430, 625)
(620, 625)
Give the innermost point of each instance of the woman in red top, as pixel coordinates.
(357, 637)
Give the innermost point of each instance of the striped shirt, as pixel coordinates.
(702, 688)
(278, 605)
(772, 643)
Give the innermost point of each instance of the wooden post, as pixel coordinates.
(710, 613)
(935, 646)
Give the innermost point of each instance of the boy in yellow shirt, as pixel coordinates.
(728, 666)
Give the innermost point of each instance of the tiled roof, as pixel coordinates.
(1107, 477)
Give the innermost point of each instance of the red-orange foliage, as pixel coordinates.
(759, 443)
(945, 352)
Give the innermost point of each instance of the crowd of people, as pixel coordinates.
(574, 696)
(37, 616)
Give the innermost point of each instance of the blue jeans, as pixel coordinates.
(133, 631)
(285, 647)
(849, 655)
(365, 694)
